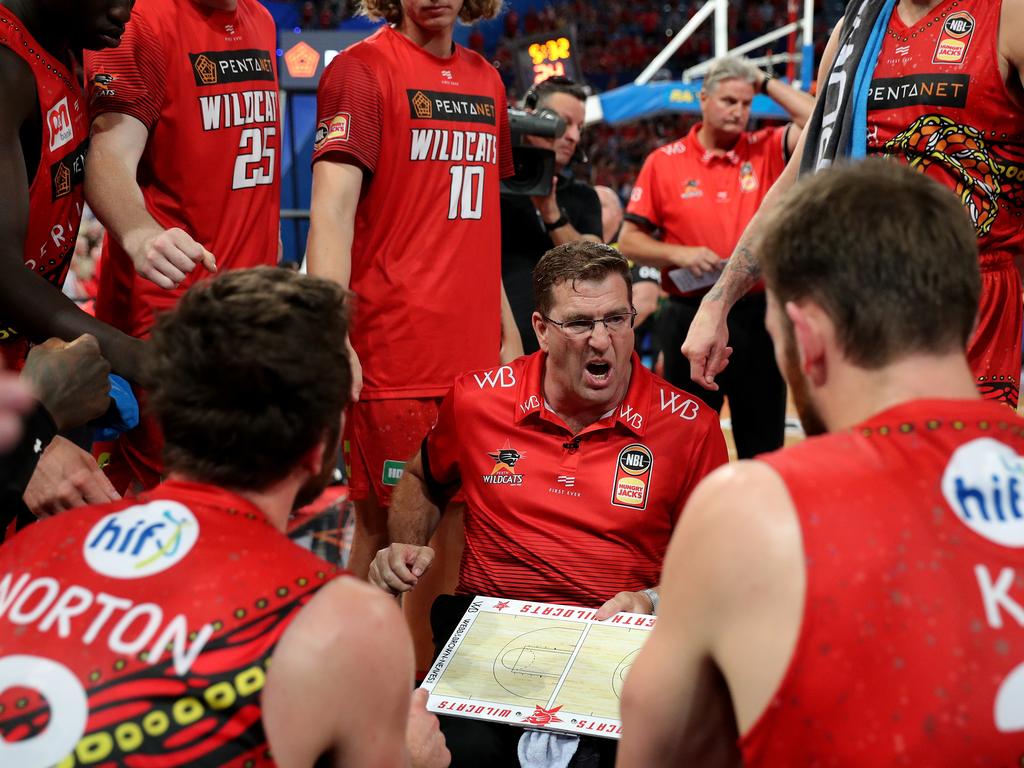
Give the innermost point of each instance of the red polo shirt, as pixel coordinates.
(697, 197)
(561, 518)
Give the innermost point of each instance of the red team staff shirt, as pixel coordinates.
(911, 648)
(56, 195)
(561, 518)
(204, 83)
(147, 627)
(431, 134)
(699, 198)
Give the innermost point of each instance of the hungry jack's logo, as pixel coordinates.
(632, 482)
(954, 39)
(504, 472)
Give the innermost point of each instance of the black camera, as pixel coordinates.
(534, 166)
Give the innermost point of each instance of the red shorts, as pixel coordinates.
(994, 352)
(380, 436)
(134, 461)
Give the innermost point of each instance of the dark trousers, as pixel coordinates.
(751, 381)
(494, 745)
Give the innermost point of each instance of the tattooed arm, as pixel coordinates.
(706, 344)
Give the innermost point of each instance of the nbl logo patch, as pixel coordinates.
(632, 483)
(335, 129)
(954, 39)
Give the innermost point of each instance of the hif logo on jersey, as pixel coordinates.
(984, 485)
(141, 541)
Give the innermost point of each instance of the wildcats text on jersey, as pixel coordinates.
(454, 107)
(219, 67)
(442, 144)
(229, 110)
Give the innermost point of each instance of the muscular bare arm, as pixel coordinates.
(303, 714)
(162, 256)
(332, 217)
(706, 342)
(37, 309)
(798, 105)
(727, 624)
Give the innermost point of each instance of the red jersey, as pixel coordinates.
(147, 627)
(563, 518)
(699, 198)
(204, 83)
(911, 647)
(55, 194)
(938, 102)
(432, 137)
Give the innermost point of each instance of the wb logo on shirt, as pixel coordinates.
(142, 540)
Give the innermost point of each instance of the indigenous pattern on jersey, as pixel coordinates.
(938, 103)
(56, 194)
(204, 83)
(139, 633)
(696, 197)
(911, 648)
(431, 135)
(564, 518)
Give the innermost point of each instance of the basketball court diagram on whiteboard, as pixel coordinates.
(537, 665)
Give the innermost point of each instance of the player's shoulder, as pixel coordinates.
(763, 136)
(478, 63)
(17, 85)
(672, 149)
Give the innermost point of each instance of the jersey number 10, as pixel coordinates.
(255, 162)
(466, 199)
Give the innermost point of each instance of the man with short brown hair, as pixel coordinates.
(574, 462)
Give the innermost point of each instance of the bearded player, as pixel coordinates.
(852, 600)
(183, 168)
(946, 98)
(106, 659)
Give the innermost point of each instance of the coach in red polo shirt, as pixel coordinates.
(688, 208)
(575, 463)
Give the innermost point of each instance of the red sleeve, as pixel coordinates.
(441, 446)
(643, 202)
(128, 79)
(709, 453)
(504, 135)
(349, 114)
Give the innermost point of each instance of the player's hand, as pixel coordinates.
(706, 344)
(70, 380)
(398, 568)
(698, 259)
(357, 370)
(423, 737)
(66, 477)
(166, 257)
(625, 602)
(16, 402)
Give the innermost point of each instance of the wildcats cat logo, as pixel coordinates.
(504, 472)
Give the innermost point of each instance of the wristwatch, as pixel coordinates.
(652, 595)
(764, 83)
(561, 221)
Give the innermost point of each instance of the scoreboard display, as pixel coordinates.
(542, 56)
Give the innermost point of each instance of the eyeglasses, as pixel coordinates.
(612, 324)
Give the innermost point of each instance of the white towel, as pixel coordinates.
(547, 749)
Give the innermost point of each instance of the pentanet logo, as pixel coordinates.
(984, 485)
(141, 541)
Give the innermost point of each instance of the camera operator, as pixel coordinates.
(530, 224)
